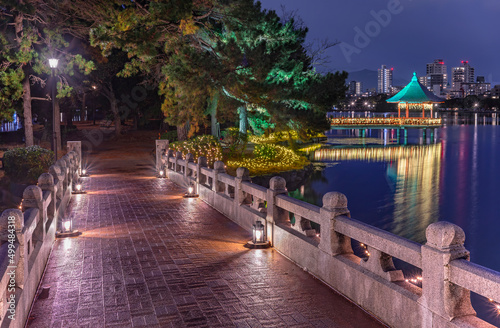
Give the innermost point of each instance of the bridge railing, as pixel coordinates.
(321, 240)
(361, 121)
(27, 234)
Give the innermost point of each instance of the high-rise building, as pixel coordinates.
(436, 77)
(462, 74)
(384, 79)
(355, 88)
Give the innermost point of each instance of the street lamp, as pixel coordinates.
(53, 65)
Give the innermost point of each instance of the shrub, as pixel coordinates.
(25, 165)
(207, 146)
(171, 136)
(265, 151)
(236, 141)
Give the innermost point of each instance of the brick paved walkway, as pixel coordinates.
(150, 258)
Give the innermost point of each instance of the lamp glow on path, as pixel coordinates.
(84, 173)
(161, 174)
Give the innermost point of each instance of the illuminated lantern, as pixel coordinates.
(258, 233)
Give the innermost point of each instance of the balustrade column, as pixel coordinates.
(445, 243)
(332, 242)
(189, 159)
(202, 162)
(178, 156)
(161, 148)
(219, 168)
(240, 197)
(169, 166)
(277, 186)
(46, 183)
(76, 146)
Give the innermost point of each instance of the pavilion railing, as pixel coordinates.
(386, 121)
(354, 258)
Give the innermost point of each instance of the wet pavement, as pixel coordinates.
(150, 258)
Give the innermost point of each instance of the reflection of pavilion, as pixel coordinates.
(415, 96)
(413, 173)
(377, 154)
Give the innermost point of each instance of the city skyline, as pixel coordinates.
(402, 34)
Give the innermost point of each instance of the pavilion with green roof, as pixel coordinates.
(415, 95)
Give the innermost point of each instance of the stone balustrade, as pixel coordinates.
(321, 241)
(27, 235)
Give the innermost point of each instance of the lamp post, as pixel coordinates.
(53, 65)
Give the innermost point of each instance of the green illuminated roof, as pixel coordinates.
(415, 93)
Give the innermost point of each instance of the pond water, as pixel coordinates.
(403, 182)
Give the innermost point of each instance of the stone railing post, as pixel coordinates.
(240, 198)
(178, 156)
(219, 168)
(189, 159)
(161, 148)
(64, 170)
(58, 176)
(445, 243)
(46, 183)
(168, 165)
(202, 162)
(331, 242)
(74, 166)
(22, 265)
(76, 146)
(277, 186)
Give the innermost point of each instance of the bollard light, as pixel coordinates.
(84, 173)
(67, 225)
(78, 188)
(190, 192)
(259, 239)
(67, 229)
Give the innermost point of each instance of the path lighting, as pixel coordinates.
(84, 173)
(191, 192)
(53, 65)
(161, 174)
(78, 188)
(259, 239)
(67, 229)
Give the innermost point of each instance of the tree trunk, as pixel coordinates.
(213, 114)
(243, 119)
(182, 131)
(28, 124)
(116, 114)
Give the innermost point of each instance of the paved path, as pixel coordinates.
(150, 258)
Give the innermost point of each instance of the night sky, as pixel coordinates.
(416, 33)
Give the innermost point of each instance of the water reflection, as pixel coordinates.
(403, 183)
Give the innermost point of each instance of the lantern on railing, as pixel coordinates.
(259, 239)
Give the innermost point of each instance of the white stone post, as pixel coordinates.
(58, 175)
(168, 165)
(161, 148)
(219, 168)
(178, 156)
(202, 162)
(46, 183)
(240, 198)
(277, 186)
(189, 159)
(332, 242)
(76, 146)
(33, 198)
(445, 243)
